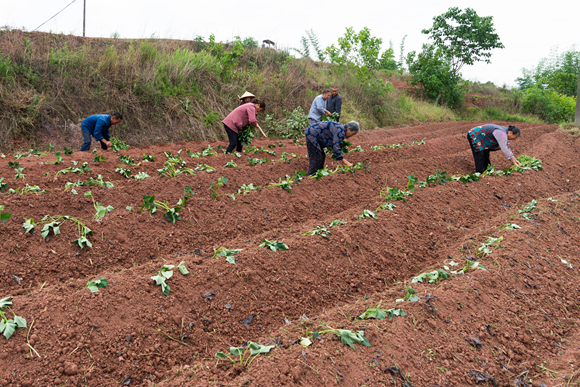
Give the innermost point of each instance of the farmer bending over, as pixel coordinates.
(490, 137)
(327, 134)
(240, 117)
(98, 126)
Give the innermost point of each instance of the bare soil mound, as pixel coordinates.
(514, 322)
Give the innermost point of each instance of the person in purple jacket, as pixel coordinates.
(490, 137)
(98, 126)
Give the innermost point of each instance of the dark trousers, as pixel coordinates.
(234, 141)
(87, 142)
(316, 158)
(481, 158)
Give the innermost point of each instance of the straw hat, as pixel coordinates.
(246, 95)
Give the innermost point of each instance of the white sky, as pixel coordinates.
(527, 29)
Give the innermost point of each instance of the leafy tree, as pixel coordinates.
(558, 72)
(464, 37)
(433, 70)
(360, 51)
(459, 38)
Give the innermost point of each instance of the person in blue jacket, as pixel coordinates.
(98, 126)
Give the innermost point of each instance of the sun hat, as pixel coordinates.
(246, 95)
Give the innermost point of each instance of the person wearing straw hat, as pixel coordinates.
(247, 97)
(241, 116)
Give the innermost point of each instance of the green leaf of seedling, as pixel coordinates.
(167, 274)
(5, 216)
(231, 259)
(305, 342)
(8, 328)
(5, 302)
(20, 321)
(236, 351)
(92, 287)
(256, 349)
(165, 288)
(220, 355)
(159, 279)
(182, 269)
(414, 298)
(128, 208)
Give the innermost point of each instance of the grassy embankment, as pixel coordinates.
(173, 91)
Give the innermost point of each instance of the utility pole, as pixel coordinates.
(577, 120)
(84, 15)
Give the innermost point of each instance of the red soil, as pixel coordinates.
(522, 309)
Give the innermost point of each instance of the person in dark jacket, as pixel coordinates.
(334, 104)
(98, 126)
(327, 134)
(490, 137)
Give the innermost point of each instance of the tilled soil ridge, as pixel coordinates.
(509, 322)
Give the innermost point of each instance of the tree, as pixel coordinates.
(360, 51)
(311, 40)
(558, 72)
(432, 69)
(464, 37)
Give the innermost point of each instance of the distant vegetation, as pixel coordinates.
(172, 90)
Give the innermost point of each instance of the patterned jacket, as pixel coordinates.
(327, 134)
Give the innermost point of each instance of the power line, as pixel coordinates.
(54, 16)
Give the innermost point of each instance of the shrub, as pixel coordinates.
(549, 105)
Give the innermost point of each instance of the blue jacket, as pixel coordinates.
(327, 134)
(318, 108)
(98, 125)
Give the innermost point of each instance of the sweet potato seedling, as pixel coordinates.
(322, 173)
(284, 157)
(98, 159)
(244, 189)
(171, 213)
(347, 337)
(13, 165)
(254, 161)
(367, 214)
(433, 277)
(148, 158)
(19, 173)
(4, 216)
(245, 355)
(141, 176)
(82, 169)
(118, 145)
(128, 160)
(230, 164)
(214, 188)
(101, 210)
(271, 152)
(26, 189)
(487, 247)
(165, 273)
(3, 185)
(381, 314)
(409, 295)
(324, 231)
(525, 212)
(229, 254)
(54, 222)
(274, 245)
(90, 182)
(204, 167)
(123, 171)
(8, 326)
(57, 161)
(67, 151)
(94, 285)
(284, 184)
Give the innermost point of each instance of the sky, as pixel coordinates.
(528, 30)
